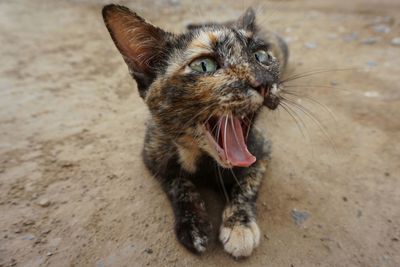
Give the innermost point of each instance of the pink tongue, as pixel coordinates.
(235, 148)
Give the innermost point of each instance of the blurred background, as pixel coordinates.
(74, 190)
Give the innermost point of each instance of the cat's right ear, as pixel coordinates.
(140, 43)
(247, 21)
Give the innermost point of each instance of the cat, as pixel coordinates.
(204, 89)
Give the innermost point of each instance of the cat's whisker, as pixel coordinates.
(312, 100)
(249, 126)
(215, 126)
(209, 117)
(297, 119)
(207, 107)
(252, 126)
(237, 180)
(311, 73)
(218, 167)
(268, 17)
(315, 86)
(312, 117)
(221, 182)
(185, 126)
(305, 110)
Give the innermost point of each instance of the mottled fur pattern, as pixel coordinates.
(176, 150)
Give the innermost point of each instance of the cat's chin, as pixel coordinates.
(227, 138)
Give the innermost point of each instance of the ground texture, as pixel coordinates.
(73, 188)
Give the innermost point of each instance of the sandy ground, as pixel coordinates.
(73, 188)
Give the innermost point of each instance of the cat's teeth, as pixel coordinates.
(275, 90)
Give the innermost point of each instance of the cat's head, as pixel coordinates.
(206, 84)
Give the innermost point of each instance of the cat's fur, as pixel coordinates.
(181, 101)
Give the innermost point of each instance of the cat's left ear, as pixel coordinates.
(247, 21)
(140, 43)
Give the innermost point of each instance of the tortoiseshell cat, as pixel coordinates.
(204, 89)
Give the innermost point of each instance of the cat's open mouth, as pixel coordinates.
(228, 134)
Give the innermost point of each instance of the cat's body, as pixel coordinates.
(204, 89)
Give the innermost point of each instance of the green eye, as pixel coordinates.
(262, 56)
(204, 65)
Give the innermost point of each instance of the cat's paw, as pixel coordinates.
(194, 235)
(240, 240)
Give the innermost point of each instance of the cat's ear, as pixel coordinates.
(247, 21)
(140, 43)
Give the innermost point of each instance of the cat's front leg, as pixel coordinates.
(239, 231)
(192, 226)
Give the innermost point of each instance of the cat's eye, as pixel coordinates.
(204, 65)
(262, 56)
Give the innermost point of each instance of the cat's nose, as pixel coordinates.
(264, 80)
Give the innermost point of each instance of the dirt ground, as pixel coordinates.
(73, 188)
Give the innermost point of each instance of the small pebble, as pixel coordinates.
(45, 232)
(49, 254)
(148, 251)
(382, 28)
(100, 263)
(380, 20)
(372, 63)
(288, 39)
(370, 40)
(313, 14)
(44, 202)
(28, 237)
(67, 165)
(112, 176)
(332, 36)
(395, 41)
(359, 213)
(371, 94)
(310, 45)
(13, 262)
(386, 257)
(334, 83)
(175, 2)
(299, 217)
(350, 37)
(39, 240)
(28, 222)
